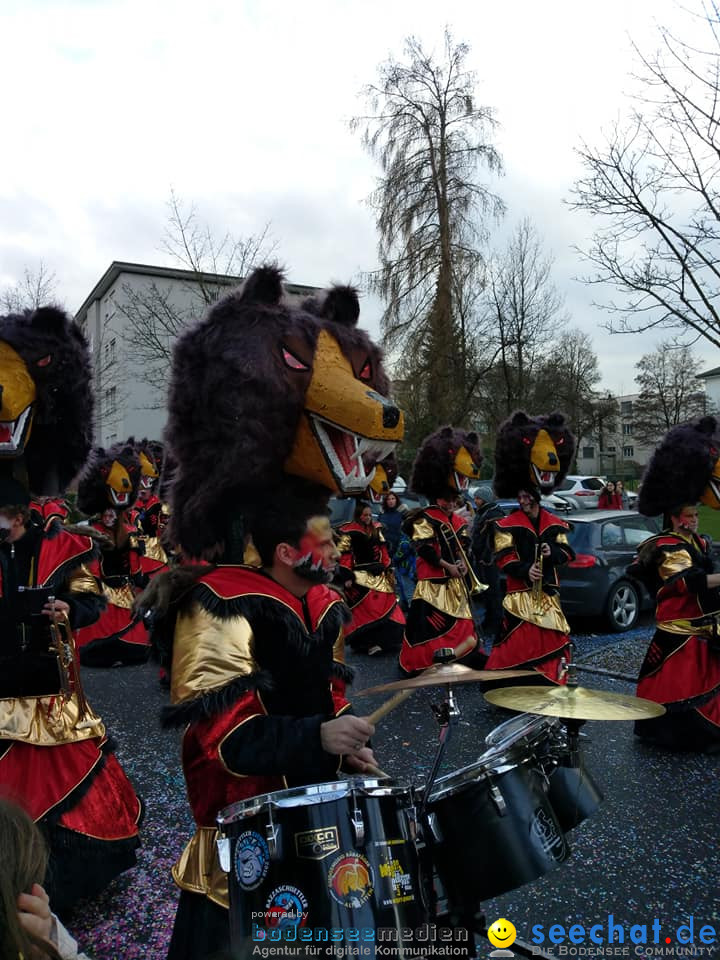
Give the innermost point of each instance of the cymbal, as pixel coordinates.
(444, 673)
(575, 703)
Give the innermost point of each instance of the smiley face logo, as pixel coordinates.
(502, 933)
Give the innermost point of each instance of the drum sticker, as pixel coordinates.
(286, 907)
(252, 859)
(543, 827)
(350, 880)
(396, 883)
(317, 844)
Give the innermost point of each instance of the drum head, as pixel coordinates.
(525, 728)
(311, 794)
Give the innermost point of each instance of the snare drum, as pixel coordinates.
(490, 826)
(332, 855)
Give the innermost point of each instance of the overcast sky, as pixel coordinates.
(243, 109)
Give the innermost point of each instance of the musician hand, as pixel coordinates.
(535, 573)
(453, 569)
(545, 549)
(361, 760)
(57, 607)
(346, 734)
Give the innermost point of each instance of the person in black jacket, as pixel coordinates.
(487, 510)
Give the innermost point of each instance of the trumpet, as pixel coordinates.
(63, 646)
(472, 585)
(538, 597)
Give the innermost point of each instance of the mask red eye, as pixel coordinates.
(527, 440)
(366, 372)
(713, 452)
(560, 441)
(292, 361)
(44, 361)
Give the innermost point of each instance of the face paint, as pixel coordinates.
(109, 518)
(316, 555)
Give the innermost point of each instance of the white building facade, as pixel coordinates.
(131, 318)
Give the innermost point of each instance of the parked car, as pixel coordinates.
(552, 503)
(582, 491)
(596, 583)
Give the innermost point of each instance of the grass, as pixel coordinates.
(709, 522)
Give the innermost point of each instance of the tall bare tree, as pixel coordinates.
(669, 391)
(38, 287)
(431, 138)
(154, 315)
(653, 190)
(528, 318)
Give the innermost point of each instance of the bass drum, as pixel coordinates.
(328, 857)
(572, 790)
(490, 828)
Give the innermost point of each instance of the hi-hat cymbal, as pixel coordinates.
(444, 673)
(575, 703)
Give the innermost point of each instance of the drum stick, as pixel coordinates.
(389, 705)
(375, 771)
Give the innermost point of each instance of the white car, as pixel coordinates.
(583, 492)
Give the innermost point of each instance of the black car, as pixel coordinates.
(596, 583)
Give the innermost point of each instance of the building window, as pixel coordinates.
(626, 406)
(110, 400)
(610, 450)
(110, 352)
(629, 452)
(627, 429)
(588, 453)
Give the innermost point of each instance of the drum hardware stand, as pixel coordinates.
(570, 667)
(447, 714)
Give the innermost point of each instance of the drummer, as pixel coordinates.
(255, 654)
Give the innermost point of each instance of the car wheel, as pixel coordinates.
(622, 607)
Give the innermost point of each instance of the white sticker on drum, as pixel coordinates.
(317, 844)
(252, 859)
(350, 880)
(543, 827)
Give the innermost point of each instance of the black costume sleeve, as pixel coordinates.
(279, 745)
(85, 608)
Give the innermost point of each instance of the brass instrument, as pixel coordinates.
(472, 585)
(68, 666)
(538, 597)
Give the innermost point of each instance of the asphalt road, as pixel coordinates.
(651, 851)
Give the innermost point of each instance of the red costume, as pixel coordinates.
(54, 755)
(254, 673)
(377, 619)
(682, 666)
(119, 636)
(534, 631)
(440, 614)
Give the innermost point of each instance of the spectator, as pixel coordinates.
(622, 495)
(28, 928)
(391, 518)
(608, 499)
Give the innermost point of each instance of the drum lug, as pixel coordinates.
(272, 835)
(358, 825)
(433, 828)
(498, 800)
(223, 848)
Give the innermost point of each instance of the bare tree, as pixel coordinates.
(37, 288)
(669, 391)
(527, 318)
(652, 188)
(154, 315)
(430, 138)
